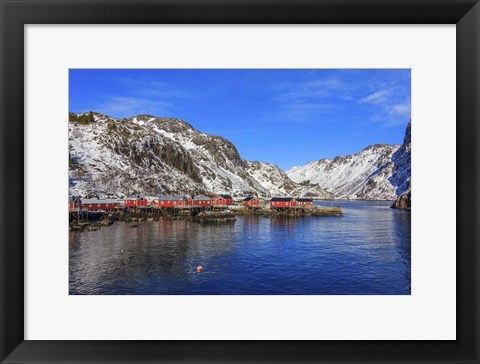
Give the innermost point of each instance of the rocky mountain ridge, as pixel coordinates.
(378, 172)
(149, 155)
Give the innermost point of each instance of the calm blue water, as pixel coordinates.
(367, 251)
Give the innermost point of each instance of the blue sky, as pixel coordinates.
(286, 116)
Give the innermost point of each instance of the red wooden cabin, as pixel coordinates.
(131, 201)
(222, 200)
(305, 202)
(142, 202)
(282, 202)
(251, 202)
(94, 204)
(172, 201)
(136, 201)
(201, 201)
(74, 202)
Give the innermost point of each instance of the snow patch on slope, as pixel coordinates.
(363, 175)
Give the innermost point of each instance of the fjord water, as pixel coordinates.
(364, 252)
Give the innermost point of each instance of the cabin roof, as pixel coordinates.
(202, 198)
(304, 199)
(283, 199)
(223, 196)
(248, 198)
(172, 198)
(97, 201)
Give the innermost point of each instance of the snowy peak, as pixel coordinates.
(277, 182)
(378, 172)
(150, 155)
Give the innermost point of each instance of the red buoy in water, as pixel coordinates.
(199, 269)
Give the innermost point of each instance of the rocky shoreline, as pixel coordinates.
(204, 217)
(310, 211)
(403, 202)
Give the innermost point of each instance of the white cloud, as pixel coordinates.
(304, 102)
(121, 106)
(390, 106)
(379, 97)
(401, 109)
(150, 87)
(313, 89)
(142, 95)
(304, 112)
(399, 114)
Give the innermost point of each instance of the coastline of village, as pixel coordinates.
(91, 214)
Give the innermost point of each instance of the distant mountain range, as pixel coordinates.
(378, 172)
(148, 155)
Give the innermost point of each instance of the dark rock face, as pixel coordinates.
(404, 201)
(401, 172)
(401, 176)
(179, 159)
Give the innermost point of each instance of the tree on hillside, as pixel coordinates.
(86, 118)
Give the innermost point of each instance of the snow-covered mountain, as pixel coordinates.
(402, 164)
(149, 155)
(401, 176)
(378, 172)
(278, 183)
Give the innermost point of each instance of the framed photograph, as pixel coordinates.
(239, 178)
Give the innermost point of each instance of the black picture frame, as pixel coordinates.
(17, 13)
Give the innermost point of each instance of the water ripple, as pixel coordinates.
(367, 251)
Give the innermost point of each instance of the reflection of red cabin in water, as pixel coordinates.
(251, 202)
(93, 204)
(304, 201)
(136, 201)
(222, 200)
(201, 201)
(170, 201)
(282, 202)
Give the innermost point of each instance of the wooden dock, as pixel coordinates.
(187, 211)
